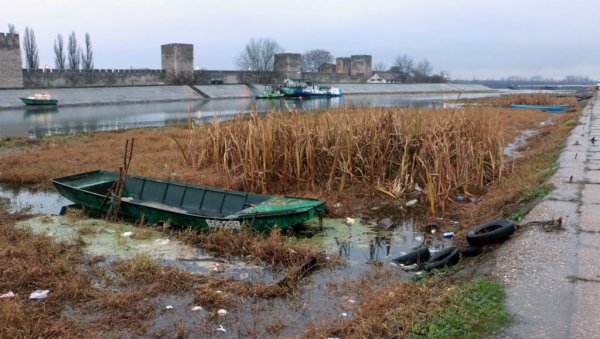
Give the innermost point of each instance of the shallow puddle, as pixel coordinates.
(360, 241)
(34, 202)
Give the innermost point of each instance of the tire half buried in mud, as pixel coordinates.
(417, 255)
(446, 257)
(490, 233)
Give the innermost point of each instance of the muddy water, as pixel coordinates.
(363, 246)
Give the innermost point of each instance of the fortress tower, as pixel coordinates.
(288, 64)
(178, 61)
(361, 65)
(11, 71)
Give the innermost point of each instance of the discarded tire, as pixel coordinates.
(490, 233)
(417, 255)
(470, 251)
(446, 257)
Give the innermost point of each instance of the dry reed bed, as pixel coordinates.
(397, 151)
(528, 99)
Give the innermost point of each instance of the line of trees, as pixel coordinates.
(421, 71)
(524, 82)
(73, 58)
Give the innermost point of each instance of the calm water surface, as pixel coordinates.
(35, 123)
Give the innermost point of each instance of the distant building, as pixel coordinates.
(385, 78)
(342, 65)
(327, 68)
(360, 65)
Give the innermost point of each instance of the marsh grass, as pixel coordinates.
(513, 195)
(273, 249)
(389, 150)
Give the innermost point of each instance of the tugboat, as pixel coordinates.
(306, 89)
(270, 93)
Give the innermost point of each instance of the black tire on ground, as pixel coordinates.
(490, 233)
(446, 257)
(470, 251)
(417, 255)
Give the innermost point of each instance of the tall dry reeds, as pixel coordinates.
(398, 151)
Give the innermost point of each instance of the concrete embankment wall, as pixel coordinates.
(9, 98)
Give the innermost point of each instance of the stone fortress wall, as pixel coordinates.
(177, 61)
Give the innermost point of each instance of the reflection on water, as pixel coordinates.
(34, 122)
(360, 242)
(34, 202)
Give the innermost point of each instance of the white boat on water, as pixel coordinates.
(322, 91)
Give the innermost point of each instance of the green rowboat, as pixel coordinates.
(188, 205)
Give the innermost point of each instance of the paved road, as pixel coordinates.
(552, 279)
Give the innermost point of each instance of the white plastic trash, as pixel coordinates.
(162, 241)
(127, 234)
(8, 295)
(222, 312)
(448, 234)
(39, 294)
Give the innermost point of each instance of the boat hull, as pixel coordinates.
(555, 108)
(293, 92)
(187, 205)
(39, 102)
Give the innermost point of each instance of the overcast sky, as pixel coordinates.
(466, 38)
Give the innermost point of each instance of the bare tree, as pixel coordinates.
(11, 29)
(73, 52)
(314, 58)
(59, 52)
(423, 71)
(32, 59)
(87, 59)
(380, 67)
(259, 55)
(404, 65)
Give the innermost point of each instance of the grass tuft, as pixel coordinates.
(474, 311)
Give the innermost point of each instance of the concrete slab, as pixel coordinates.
(589, 220)
(590, 194)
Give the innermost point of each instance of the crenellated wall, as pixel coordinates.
(55, 78)
(10, 61)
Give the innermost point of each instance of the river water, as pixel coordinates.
(35, 123)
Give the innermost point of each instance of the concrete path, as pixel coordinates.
(552, 279)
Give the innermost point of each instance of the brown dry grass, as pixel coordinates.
(155, 155)
(353, 150)
(390, 149)
(125, 302)
(29, 262)
(274, 249)
(527, 99)
(531, 169)
(387, 308)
